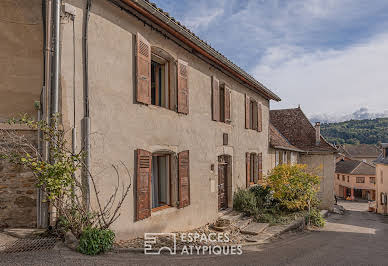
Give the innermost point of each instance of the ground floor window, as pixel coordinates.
(160, 181)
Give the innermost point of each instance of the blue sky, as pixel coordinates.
(330, 56)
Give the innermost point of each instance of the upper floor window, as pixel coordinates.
(360, 179)
(372, 180)
(221, 101)
(338, 176)
(343, 177)
(161, 80)
(253, 114)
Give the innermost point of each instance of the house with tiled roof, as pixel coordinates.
(140, 90)
(294, 136)
(362, 152)
(355, 180)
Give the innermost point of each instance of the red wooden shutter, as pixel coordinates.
(247, 113)
(255, 168)
(143, 184)
(248, 165)
(260, 119)
(183, 89)
(184, 178)
(254, 118)
(260, 162)
(215, 99)
(227, 102)
(143, 70)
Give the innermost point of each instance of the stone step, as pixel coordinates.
(254, 228)
(243, 222)
(23, 232)
(232, 216)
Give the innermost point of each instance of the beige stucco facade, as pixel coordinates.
(381, 187)
(21, 57)
(119, 125)
(324, 164)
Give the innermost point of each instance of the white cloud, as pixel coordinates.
(331, 81)
(202, 19)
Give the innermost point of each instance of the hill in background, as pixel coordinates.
(368, 131)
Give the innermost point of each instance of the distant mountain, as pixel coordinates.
(367, 131)
(360, 114)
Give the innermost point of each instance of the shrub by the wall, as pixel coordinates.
(94, 241)
(245, 201)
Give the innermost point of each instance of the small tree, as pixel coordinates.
(294, 186)
(58, 176)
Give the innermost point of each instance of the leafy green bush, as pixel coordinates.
(294, 187)
(94, 241)
(316, 218)
(245, 201)
(264, 196)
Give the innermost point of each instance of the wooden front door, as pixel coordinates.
(222, 183)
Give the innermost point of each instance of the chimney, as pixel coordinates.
(317, 133)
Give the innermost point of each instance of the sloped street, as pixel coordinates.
(355, 238)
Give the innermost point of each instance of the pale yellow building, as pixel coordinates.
(382, 181)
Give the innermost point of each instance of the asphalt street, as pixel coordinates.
(355, 238)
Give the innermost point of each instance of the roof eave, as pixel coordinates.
(152, 13)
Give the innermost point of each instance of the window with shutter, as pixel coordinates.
(248, 167)
(260, 162)
(247, 112)
(256, 168)
(143, 70)
(254, 114)
(259, 119)
(183, 89)
(143, 184)
(227, 103)
(184, 178)
(215, 99)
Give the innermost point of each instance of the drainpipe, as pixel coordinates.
(86, 118)
(56, 57)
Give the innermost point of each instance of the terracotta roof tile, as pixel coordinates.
(277, 140)
(355, 167)
(297, 129)
(360, 150)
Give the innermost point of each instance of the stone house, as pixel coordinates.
(281, 150)
(355, 180)
(312, 149)
(142, 89)
(362, 152)
(382, 181)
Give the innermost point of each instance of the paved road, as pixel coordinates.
(356, 238)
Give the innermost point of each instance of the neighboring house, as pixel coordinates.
(21, 64)
(382, 181)
(361, 152)
(281, 150)
(190, 125)
(355, 180)
(313, 149)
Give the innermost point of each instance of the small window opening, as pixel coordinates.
(160, 180)
(160, 89)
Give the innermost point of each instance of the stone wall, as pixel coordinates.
(18, 192)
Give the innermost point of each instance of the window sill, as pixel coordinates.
(160, 208)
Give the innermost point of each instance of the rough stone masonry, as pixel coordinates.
(18, 192)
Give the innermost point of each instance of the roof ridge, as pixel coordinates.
(358, 165)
